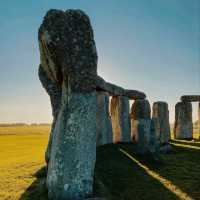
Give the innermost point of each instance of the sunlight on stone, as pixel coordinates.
(166, 183)
(185, 146)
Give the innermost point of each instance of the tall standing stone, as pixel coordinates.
(183, 127)
(54, 91)
(199, 119)
(69, 58)
(119, 109)
(140, 110)
(161, 118)
(104, 126)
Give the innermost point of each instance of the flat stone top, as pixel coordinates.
(190, 98)
(115, 90)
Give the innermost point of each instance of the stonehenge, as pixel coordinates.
(80, 103)
(103, 120)
(160, 116)
(120, 119)
(89, 112)
(183, 126)
(69, 59)
(140, 110)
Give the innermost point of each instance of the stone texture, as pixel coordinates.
(183, 126)
(140, 110)
(161, 118)
(115, 90)
(104, 126)
(199, 119)
(119, 109)
(54, 91)
(68, 57)
(146, 138)
(190, 98)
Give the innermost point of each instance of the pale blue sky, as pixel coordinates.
(149, 45)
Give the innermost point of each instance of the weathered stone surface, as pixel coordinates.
(161, 118)
(190, 98)
(104, 126)
(183, 126)
(69, 58)
(54, 91)
(119, 108)
(146, 137)
(115, 90)
(67, 47)
(199, 119)
(72, 161)
(140, 110)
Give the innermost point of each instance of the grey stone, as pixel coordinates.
(119, 108)
(143, 137)
(199, 119)
(115, 90)
(68, 57)
(140, 110)
(165, 148)
(161, 118)
(190, 98)
(146, 138)
(183, 126)
(54, 91)
(104, 126)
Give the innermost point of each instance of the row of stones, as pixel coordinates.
(121, 125)
(183, 126)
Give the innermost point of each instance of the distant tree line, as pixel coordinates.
(23, 124)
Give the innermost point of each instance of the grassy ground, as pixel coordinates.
(120, 173)
(21, 155)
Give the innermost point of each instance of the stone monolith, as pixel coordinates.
(183, 121)
(140, 110)
(161, 118)
(54, 91)
(104, 126)
(68, 57)
(119, 109)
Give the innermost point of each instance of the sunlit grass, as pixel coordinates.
(21, 155)
(168, 184)
(116, 177)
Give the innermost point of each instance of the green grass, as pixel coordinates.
(120, 173)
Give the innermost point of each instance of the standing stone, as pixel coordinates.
(161, 118)
(54, 91)
(119, 109)
(199, 119)
(143, 136)
(69, 58)
(183, 127)
(140, 110)
(104, 126)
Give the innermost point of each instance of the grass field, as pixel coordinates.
(120, 173)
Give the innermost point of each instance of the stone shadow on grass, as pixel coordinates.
(186, 142)
(119, 178)
(181, 167)
(37, 190)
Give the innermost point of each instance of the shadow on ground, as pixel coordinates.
(37, 190)
(119, 178)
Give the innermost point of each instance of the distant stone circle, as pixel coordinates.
(88, 111)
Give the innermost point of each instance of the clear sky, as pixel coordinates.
(149, 45)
